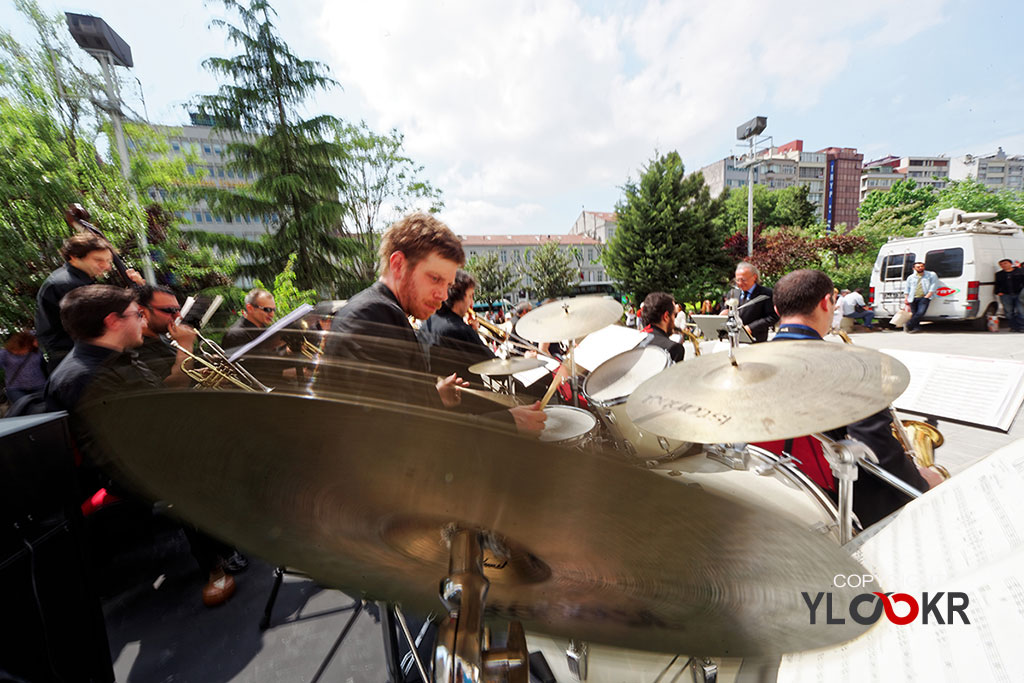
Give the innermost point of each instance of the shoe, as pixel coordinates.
(219, 589)
(236, 563)
(914, 331)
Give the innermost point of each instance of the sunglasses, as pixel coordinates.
(169, 310)
(265, 309)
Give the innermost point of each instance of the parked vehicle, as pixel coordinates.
(963, 251)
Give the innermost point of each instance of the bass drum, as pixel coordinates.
(608, 387)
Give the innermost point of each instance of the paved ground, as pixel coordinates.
(159, 630)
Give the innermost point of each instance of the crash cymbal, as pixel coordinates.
(568, 318)
(363, 496)
(779, 390)
(504, 366)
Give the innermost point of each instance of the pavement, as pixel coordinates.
(160, 631)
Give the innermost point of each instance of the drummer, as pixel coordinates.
(659, 309)
(804, 303)
(419, 257)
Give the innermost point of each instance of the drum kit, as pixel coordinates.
(564, 535)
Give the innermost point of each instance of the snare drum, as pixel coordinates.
(568, 426)
(607, 388)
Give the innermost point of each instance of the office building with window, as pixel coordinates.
(210, 147)
(997, 171)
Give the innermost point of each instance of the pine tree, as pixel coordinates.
(294, 161)
(667, 239)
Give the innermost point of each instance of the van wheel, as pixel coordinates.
(980, 323)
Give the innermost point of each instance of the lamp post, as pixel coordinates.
(97, 38)
(749, 131)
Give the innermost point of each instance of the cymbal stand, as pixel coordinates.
(572, 374)
(733, 327)
(462, 655)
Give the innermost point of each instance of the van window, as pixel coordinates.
(897, 266)
(945, 262)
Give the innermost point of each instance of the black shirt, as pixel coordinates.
(51, 333)
(157, 354)
(452, 344)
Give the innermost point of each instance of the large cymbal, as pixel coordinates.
(779, 390)
(504, 366)
(569, 318)
(362, 496)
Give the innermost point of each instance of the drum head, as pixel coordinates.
(565, 423)
(616, 378)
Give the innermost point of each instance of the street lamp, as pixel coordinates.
(97, 38)
(749, 131)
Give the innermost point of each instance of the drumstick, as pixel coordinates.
(551, 389)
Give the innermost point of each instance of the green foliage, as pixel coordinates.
(552, 270)
(772, 208)
(296, 161)
(905, 196)
(288, 297)
(493, 279)
(668, 238)
(971, 195)
(381, 185)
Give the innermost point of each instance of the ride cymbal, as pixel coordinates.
(778, 390)
(365, 495)
(568, 318)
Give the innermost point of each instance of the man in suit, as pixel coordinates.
(759, 316)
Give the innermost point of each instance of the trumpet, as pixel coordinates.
(918, 439)
(688, 334)
(216, 369)
(499, 336)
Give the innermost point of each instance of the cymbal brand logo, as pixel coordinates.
(867, 608)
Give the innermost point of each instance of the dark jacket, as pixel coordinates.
(760, 316)
(452, 345)
(52, 336)
(1010, 282)
(657, 337)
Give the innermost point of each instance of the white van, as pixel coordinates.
(963, 251)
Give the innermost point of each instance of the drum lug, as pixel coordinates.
(733, 455)
(706, 670)
(576, 655)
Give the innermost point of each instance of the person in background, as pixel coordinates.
(853, 306)
(22, 365)
(919, 289)
(1010, 290)
(757, 316)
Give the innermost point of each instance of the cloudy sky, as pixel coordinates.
(524, 113)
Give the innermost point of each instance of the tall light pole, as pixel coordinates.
(749, 131)
(97, 38)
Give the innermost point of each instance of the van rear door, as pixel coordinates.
(956, 298)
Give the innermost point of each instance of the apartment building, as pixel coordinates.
(879, 174)
(842, 185)
(997, 171)
(600, 225)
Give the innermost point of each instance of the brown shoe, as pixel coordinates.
(219, 589)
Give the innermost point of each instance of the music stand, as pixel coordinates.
(713, 328)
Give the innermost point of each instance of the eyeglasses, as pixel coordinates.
(265, 309)
(137, 313)
(169, 310)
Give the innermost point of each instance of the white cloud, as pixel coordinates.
(524, 103)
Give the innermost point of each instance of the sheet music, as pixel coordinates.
(984, 391)
(530, 377)
(966, 535)
(273, 329)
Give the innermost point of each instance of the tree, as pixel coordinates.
(904, 195)
(971, 195)
(493, 279)
(792, 207)
(667, 239)
(381, 185)
(288, 297)
(296, 161)
(47, 127)
(733, 214)
(551, 269)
